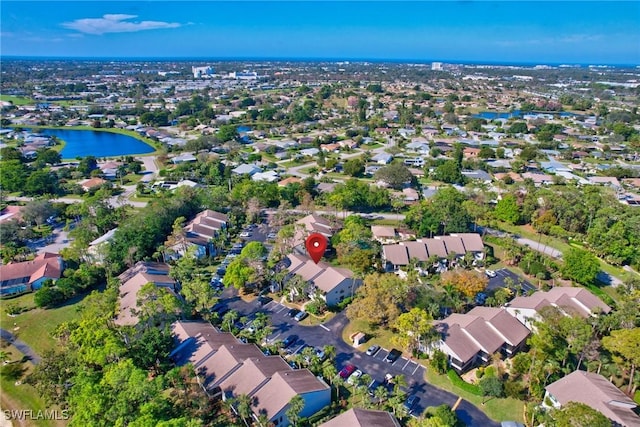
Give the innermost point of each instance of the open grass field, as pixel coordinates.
(36, 325)
(16, 100)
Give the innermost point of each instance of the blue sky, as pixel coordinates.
(593, 32)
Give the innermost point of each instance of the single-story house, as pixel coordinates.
(382, 158)
(92, 183)
(245, 169)
(18, 277)
(384, 234)
(595, 391)
(183, 158)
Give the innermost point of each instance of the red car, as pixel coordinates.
(347, 371)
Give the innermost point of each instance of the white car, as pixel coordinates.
(245, 234)
(353, 377)
(490, 273)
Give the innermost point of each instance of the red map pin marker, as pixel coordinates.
(316, 244)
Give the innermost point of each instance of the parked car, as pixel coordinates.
(245, 234)
(289, 340)
(490, 273)
(293, 312)
(411, 403)
(393, 355)
(346, 371)
(481, 298)
(321, 354)
(300, 316)
(263, 300)
(373, 350)
(354, 376)
(272, 236)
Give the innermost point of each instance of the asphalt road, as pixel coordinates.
(330, 334)
(20, 345)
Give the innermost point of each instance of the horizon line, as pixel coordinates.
(321, 59)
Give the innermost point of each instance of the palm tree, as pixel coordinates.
(380, 394)
(296, 405)
(229, 319)
(242, 404)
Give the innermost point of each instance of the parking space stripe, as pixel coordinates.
(324, 327)
(418, 366)
(405, 365)
(284, 307)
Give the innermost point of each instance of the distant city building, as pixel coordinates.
(200, 72)
(244, 75)
(436, 66)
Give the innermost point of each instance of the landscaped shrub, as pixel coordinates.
(460, 383)
(438, 361)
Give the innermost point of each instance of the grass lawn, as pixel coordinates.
(23, 396)
(35, 325)
(17, 100)
(496, 409)
(378, 336)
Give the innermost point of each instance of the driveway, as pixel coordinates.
(330, 334)
(20, 345)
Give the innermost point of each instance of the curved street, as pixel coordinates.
(20, 345)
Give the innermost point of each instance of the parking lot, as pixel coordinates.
(500, 281)
(329, 333)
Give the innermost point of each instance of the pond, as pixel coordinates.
(82, 143)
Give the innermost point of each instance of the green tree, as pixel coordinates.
(449, 172)
(227, 133)
(296, 405)
(48, 156)
(576, 414)
(415, 329)
(491, 386)
(626, 343)
(507, 209)
(395, 174)
(354, 167)
(581, 266)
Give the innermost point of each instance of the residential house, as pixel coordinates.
(11, 213)
(200, 233)
(472, 338)
(132, 280)
(333, 283)
(227, 368)
(18, 277)
(98, 247)
(268, 176)
(183, 158)
(358, 417)
(384, 234)
(538, 178)
(570, 301)
(290, 180)
(399, 255)
(479, 175)
(610, 181)
(92, 183)
(596, 392)
(311, 223)
(382, 158)
(245, 169)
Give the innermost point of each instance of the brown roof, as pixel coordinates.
(417, 250)
(436, 247)
(472, 241)
(223, 362)
(11, 212)
(207, 223)
(332, 277)
(571, 300)
(196, 341)
(93, 182)
(290, 180)
(396, 254)
(323, 275)
(46, 265)
(453, 244)
(483, 328)
(383, 231)
(253, 373)
(597, 392)
(128, 298)
(358, 417)
(276, 394)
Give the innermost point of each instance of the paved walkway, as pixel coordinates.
(21, 346)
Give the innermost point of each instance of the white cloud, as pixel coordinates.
(115, 23)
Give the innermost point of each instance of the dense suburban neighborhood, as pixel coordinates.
(482, 227)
